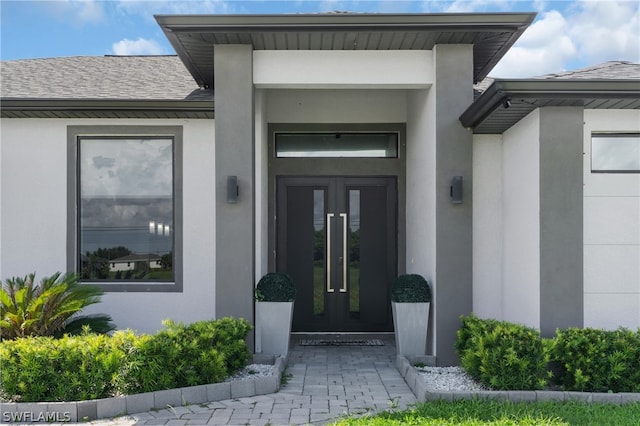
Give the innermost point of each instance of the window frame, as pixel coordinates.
(74, 135)
(621, 134)
(302, 134)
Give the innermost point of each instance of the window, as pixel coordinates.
(125, 226)
(615, 153)
(336, 145)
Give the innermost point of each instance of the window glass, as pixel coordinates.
(354, 253)
(319, 250)
(333, 145)
(126, 208)
(615, 153)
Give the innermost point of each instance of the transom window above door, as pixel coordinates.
(336, 145)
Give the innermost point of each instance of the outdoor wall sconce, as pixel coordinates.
(232, 189)
(455, 190)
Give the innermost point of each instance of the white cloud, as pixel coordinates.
(467, 6)
(587, 32)
(332, 6)
(147, 8)
(77, 12)
(607, 30)
(545, 47)
(140, 46)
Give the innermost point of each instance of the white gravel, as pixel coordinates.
(253, 370)
(448, 379)
(435, 378)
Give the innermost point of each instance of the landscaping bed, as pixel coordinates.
(76, 411)
(512, 362)
(92, 376)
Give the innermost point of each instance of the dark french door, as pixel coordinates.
(336, 238)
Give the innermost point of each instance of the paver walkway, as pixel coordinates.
(325, 382)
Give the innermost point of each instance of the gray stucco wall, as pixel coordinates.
(561, 218)
(454, 297)
(234, 150)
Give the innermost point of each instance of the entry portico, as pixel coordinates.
(335, 73)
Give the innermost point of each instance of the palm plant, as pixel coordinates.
(49, 308)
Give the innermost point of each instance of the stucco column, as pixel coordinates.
(234, 151)
(561, 218)
(454, 156)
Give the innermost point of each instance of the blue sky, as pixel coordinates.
(566, 34)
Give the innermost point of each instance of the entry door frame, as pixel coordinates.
(375, 206)
(347, 167)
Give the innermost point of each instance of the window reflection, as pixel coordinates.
(332, 145)
(126, 209)
(319, 250)
(615, 153)
(354, 253)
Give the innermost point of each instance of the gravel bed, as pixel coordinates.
(252, 370)
(435, 378)
(448, 379)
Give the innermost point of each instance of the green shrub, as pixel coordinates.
(229, 336)
(472, 327)
(186, 355)
(48, 308)
(98, 366)
(597, 360)
(501, 355)
(411, 288)
(67, 369)
(275, 287)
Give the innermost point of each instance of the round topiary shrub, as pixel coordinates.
(411, 288)
(275, 287)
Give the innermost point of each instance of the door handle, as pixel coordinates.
(329, 216)
(344, 253)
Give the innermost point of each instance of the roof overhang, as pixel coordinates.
(101, 108)
(506, 102)
(194, 36)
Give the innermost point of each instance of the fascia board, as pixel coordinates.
(337, 21)
(514, 89)
(21, 104)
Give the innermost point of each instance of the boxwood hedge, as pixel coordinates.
(507, 356)
(91, 366)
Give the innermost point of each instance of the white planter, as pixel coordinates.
(273, 327)
(411, 322)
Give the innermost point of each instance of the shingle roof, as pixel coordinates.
(613, 70)
(501, 103)
(100, 77)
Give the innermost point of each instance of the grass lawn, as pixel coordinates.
(499, 413)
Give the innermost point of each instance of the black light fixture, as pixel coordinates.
(232, 189)
(455, 190)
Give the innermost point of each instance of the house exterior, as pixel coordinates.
(342, 149)
(557, 199)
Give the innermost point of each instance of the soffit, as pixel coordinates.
(506, 102)
(194, 36)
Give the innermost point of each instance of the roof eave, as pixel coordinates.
(12, 107)
(514, 23)
(324, 21)
(501, 90)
